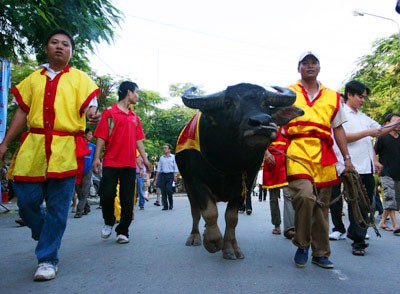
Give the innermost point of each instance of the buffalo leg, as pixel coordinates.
(194, 238)
(231, 249)
(212, 235)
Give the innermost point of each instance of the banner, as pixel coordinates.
(4, 86)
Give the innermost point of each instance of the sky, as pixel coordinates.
(218, 43)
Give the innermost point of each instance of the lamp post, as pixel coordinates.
(359, 13)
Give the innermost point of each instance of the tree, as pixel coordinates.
(380, 71)
(24, 26)
(165, 127)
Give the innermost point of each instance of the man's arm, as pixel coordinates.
(139, 165)
(352, 137)
(140, 147)
(17, 124)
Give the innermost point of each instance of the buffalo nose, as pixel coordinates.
(259, 119)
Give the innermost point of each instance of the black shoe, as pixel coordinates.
(165, 208)
(20, 222)
(86, 212)
(157, 203)
(170, 208)
(78, 215)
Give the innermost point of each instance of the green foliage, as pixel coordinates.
(24, 25)
(165, 127)
(380, 71)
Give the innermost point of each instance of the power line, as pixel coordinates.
(196, 31)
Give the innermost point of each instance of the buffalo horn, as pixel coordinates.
(284, 97)
(203, 102)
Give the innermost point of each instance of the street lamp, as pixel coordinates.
(359, 13)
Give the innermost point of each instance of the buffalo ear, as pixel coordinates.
(285, 114)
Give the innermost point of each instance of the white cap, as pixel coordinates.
(307, 53)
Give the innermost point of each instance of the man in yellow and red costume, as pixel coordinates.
(311, 145)
(54, 102)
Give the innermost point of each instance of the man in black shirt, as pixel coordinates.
(387, 147)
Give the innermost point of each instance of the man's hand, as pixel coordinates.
(3, 150)
(148, 165)
(93, 116)
(96, 166)
(269, 158)
(378, 167)
(348, 165)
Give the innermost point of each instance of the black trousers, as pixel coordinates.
(336, 210)
(357, 233)
(108, 186)
(165, 184)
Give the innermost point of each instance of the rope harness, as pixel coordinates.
(353, 192)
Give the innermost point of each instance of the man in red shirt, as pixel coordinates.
(121, 133)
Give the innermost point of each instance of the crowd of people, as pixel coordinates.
(56, 159)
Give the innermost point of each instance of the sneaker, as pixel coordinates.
(336, 235)
(323, 262)
(122, 239)
(106, 231)
(366, 237)
(301, 257)
(45, 271)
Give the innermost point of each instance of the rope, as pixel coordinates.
(244, 186)
(354, 192)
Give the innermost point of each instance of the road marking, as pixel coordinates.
(341, 275)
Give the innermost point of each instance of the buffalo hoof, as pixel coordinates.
(213, 241)
(232, 255)
(193, 240)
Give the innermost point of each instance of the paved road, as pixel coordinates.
(157, 261)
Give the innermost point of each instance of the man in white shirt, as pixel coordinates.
(360, 130)
(167, 172)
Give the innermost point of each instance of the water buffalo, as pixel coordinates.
(220, 151)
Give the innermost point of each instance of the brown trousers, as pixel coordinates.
(311, 220)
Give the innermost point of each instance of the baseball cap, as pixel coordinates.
(307, 53)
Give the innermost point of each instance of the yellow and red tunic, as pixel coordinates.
(274, 176)
(53, 144)
(310, 137)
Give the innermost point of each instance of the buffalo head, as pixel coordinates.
(247, 112)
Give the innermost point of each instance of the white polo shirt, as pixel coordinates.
(361, 151)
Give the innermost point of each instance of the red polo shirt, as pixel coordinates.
(120, 130)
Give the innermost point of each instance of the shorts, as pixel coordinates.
(391, 193)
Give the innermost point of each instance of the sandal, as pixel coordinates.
(396, 230)
(358, 251)
(386, 228)
(276, 231)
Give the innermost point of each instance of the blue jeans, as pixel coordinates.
(140, 189)
(47, 226)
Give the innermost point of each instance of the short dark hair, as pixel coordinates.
(389, 116)
(62, 32)
(88, 130)
(124, 87)
(355, 87)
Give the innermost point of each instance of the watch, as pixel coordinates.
(347, 157)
